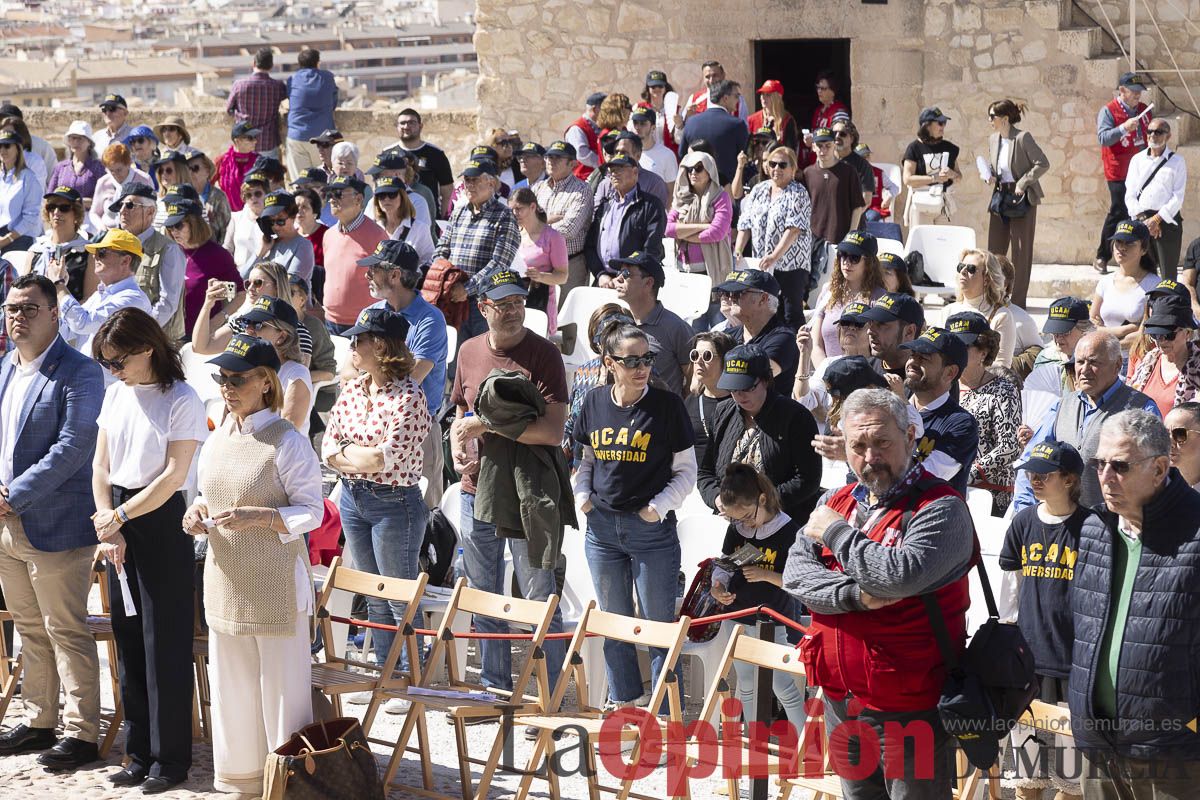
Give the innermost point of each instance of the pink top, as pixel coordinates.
(543, 255)
(829, 317)
(718, 230)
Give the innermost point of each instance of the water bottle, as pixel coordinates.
(460, 568)
(471, 449)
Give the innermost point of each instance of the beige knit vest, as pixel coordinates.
(148, 277)
(249, 584)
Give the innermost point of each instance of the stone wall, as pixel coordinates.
(372, 131)
(539, 60)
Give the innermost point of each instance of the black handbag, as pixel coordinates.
(324, 761)
(1008, 204)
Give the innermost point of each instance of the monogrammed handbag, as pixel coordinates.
(324, 761)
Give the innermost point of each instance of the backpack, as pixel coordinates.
(438, 548)
(916, 270)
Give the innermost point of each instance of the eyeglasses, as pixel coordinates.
(849, 258)
(778, 164)
(633, 362)
(109, 109)
(235, 381)
(195, 167)
(7, 146)
(1118, 466)
(257, 194)
(1040, 477)
(256, 326)
(970, 269)
(508, 306)
(112, 364)
(737, 296)
(52, 207)
(706, 356)
(1180, 436)
(748, 518)
(130, 205)
(26, 310)
(335, 194)
(102, 253)
(1158, 131)
(840, 134)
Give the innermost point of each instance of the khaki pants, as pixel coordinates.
(47, 596)
(434, 462)
(300, 156)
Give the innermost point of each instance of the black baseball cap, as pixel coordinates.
(941, 341)
(932, 114)
(267, 308)
(1167, 314)
(643, 114)
(113, 101)
(645, 262)
(10, 137)
(822, 135)
(504, 283)
(64, 193)
(859, 243)
(745, 365)
(131, 190)
(892, 261)
(484, 151)
(277, 202)
(595, 98)
(244, 128)
(765, 134)
(967, 325)
(656, 77)
(1169, 288)
(392, 253)
(620, 160)
(268, 165)
(10, 110)
(348, 182)
(328, 136)
(169, 156)
(388, 159)
(389, 185)
(480, 166)
(244, 353)
(256, 177)
(531, 149)
(177, 211)
(561, 149)
(1131, 230)
(849, 373)
(1131, 80)
(1065, 313)
(181, 191)
(380, 322)
(895, 306)
(852, 314)
(1052, 456)
(311, 175)
(756, 279)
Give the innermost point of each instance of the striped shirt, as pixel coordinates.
(306, 343)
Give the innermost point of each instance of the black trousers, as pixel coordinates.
(1117, 213)
(1167, 248)
(793, 285)
(155, 646)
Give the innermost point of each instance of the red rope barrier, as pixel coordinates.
(770, 612)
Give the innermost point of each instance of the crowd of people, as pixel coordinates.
(833, 427)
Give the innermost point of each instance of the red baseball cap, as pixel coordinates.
(771, 87)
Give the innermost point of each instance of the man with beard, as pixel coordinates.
(870, 551)
(947, 448)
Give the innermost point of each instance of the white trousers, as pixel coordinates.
(261, 695)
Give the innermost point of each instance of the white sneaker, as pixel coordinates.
(357, 698)
(397, 705)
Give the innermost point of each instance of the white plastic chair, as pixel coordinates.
(451, 344)
(577, 310)
(436, 597)
(578, 591)
(991, 532)
(686, 293)
(341, 352)
(537, 321)
(198, 373)
(892, 246)
(20, 259)
(979, 501)
(701, 537)
(894, 174)
(940, 246)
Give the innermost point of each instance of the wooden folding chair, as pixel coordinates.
(10, 668)
(533, 614)
(775, 759)
(669, 636)
(339, 675)
(101, 627)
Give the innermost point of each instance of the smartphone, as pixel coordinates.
(230, 290)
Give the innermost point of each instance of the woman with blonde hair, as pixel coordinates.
(211, 332)
(981, 289)
(504, 143)
(857, 278)
(773, 116)
(273, 319)
(614, 113)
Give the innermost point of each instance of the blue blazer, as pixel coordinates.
(52, 458)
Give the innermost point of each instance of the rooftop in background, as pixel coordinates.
(322, 37)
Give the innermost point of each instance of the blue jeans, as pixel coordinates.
(625, 553)
(789, 694)
(483, 556)
(384, 527)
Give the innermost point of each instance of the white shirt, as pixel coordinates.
(661, 161)
(140, 422)
(172, 273)
(289, 373)
(45, 151)
(1164, 194)
(1005, 160)
(244, 239)
(37, 166)
(10, 409)
(83, 321)
(419, 236)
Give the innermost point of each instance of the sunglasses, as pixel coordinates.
(778, 164)
(706, 356)
(52, 207)
(26, 310)
(1117, 465)
(7, 146)
(849, 258)
(280, 221)
(1180, 436)
(737, 296)
(695, 169)
(633, 362)
(334, 194)
(257, 193)
(1165, 337)
(195, 167)
(112, 364)
(236, 381)
(626, 274)
(130, 205)
(102, 253)
(840, 134)
(255, 283)
(970, 269)
(109, 109)
(1158, 131)
(178, 226)
(256, 326)
(138, 140)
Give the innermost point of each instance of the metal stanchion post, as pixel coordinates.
(764, 705)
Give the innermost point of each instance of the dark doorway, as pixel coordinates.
(796, 62)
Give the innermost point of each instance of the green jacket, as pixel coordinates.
(524, 490)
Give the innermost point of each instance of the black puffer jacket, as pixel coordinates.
(1158, 677)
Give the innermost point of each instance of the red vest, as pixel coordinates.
(877, 198)
(1117, 157)
(593, 139)
(888, 657)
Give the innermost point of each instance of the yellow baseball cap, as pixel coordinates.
(117, 239)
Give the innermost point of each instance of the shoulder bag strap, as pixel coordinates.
(1153, 172)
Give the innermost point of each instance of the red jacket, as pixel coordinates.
(877, 198)
(887, 657)
(593, 139)
(1117, 157)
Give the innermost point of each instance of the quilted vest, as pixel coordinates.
(148, 277)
